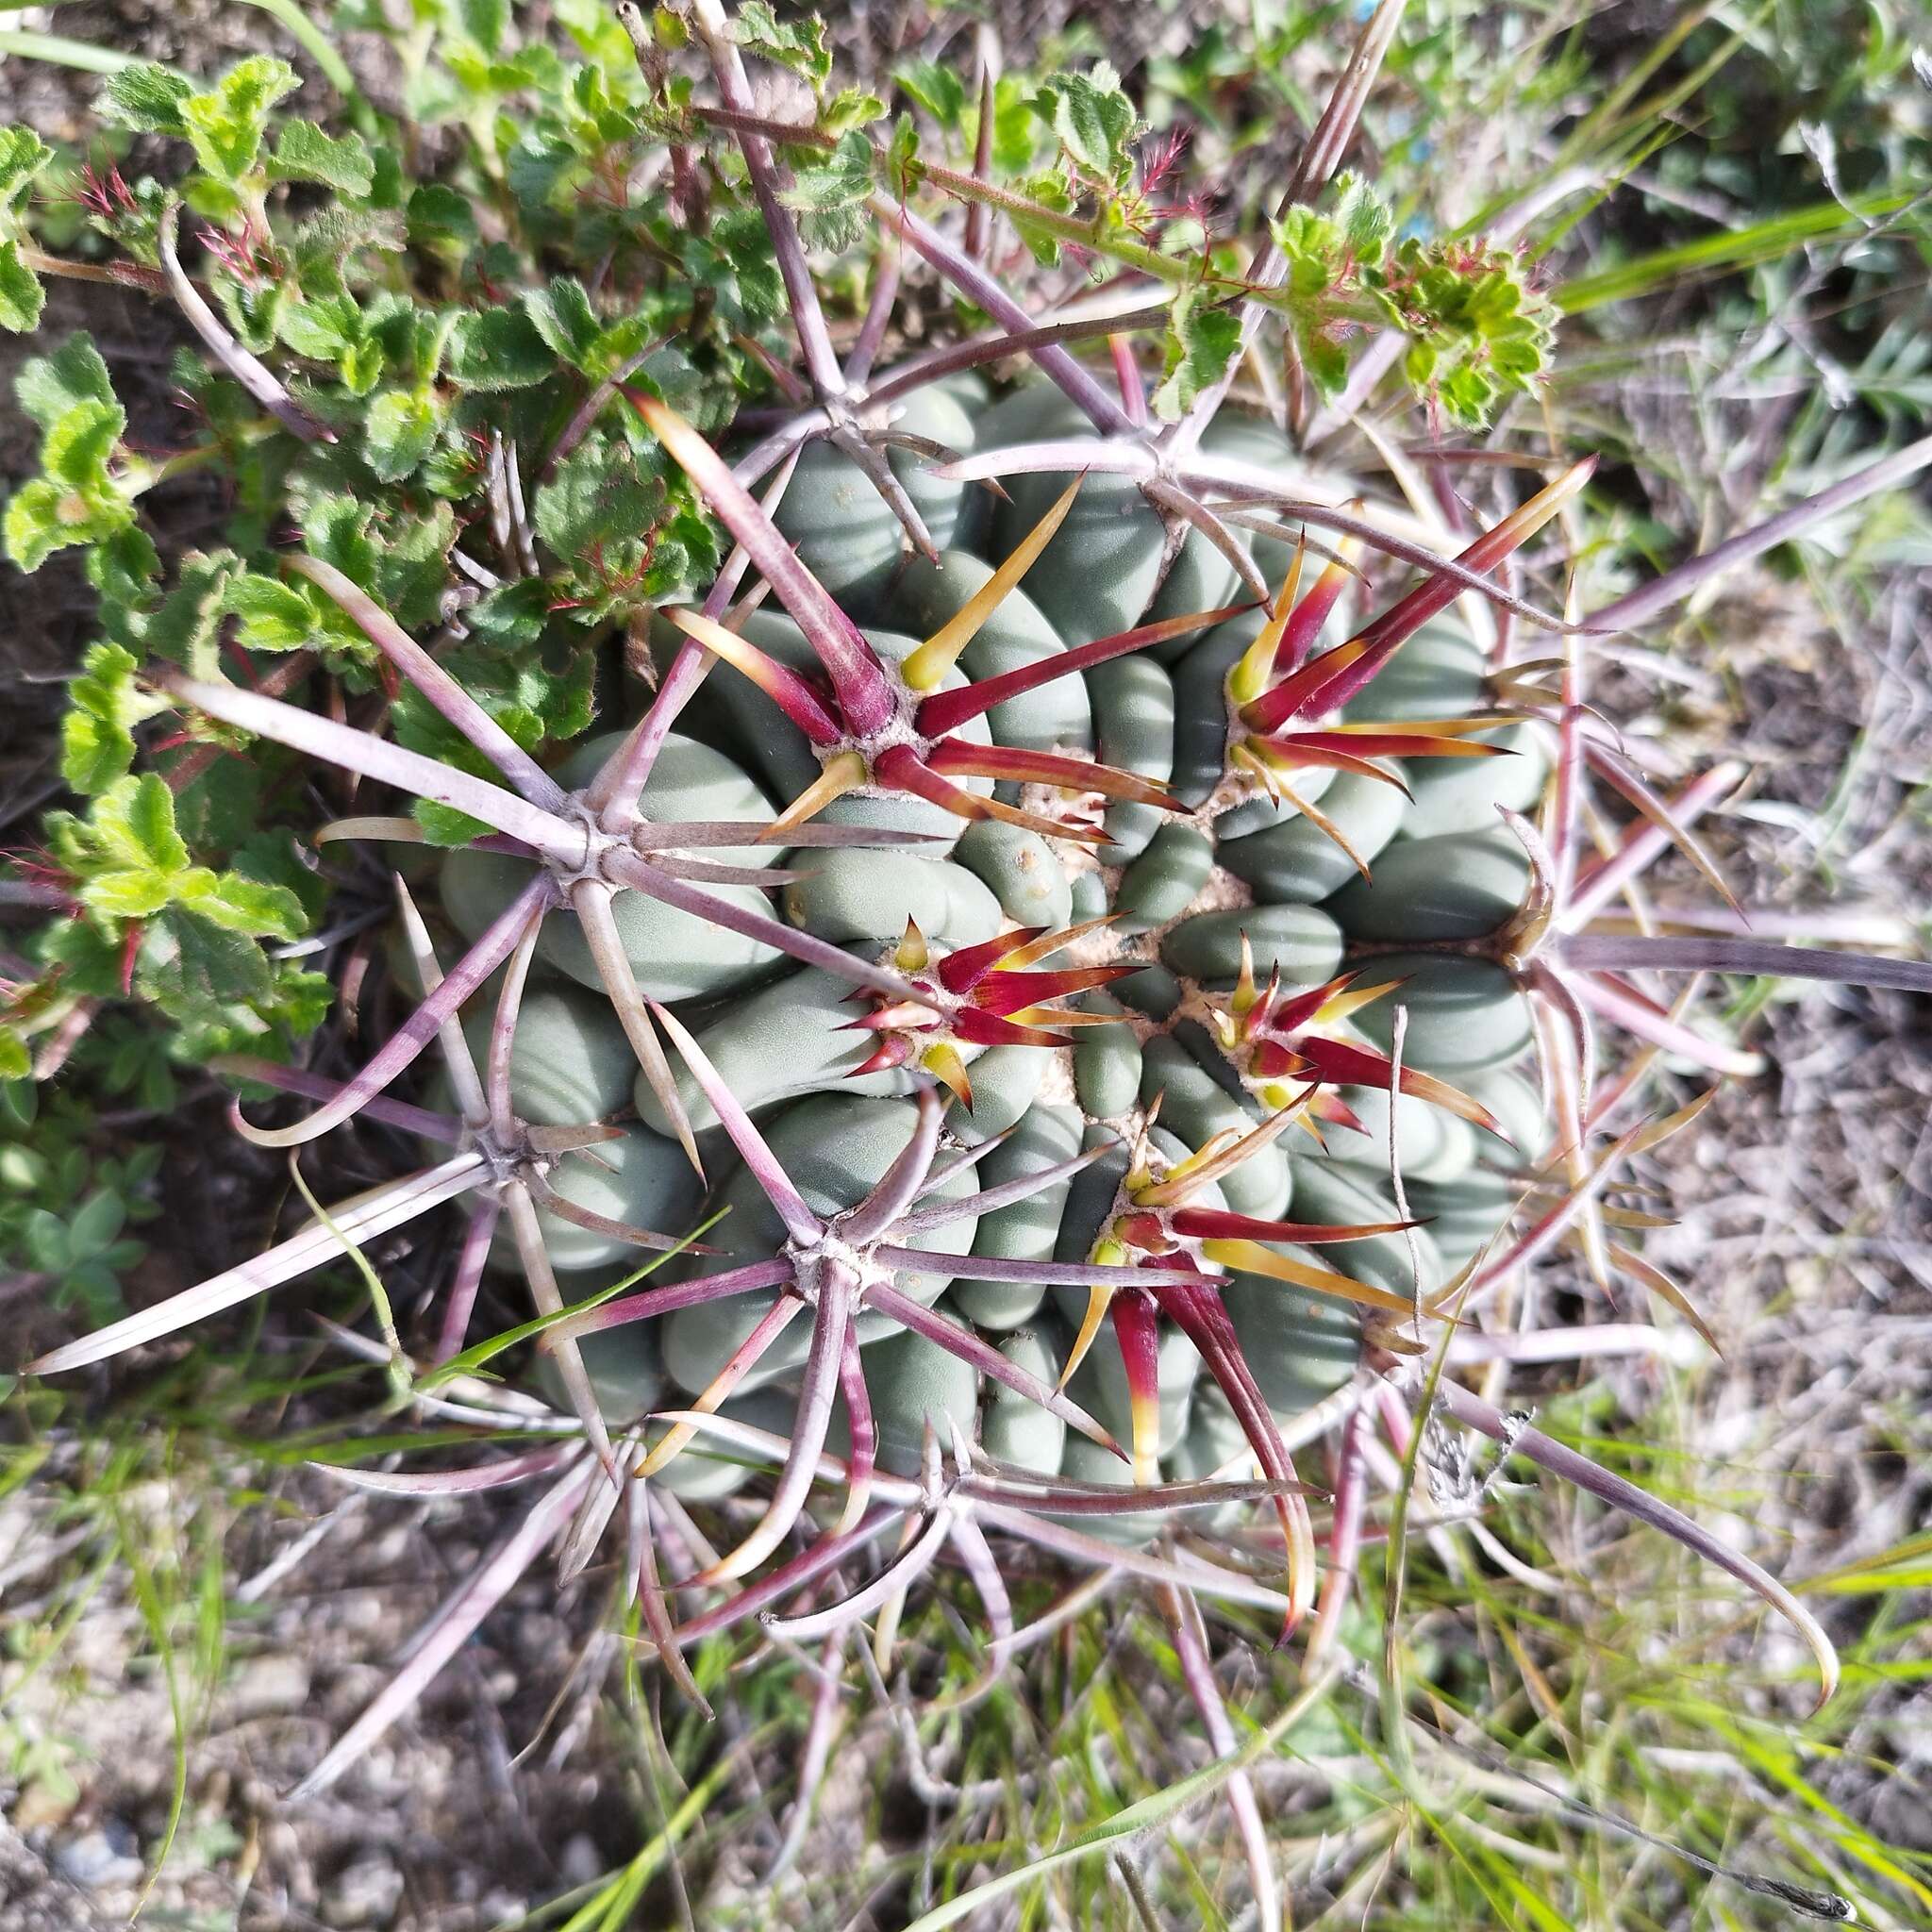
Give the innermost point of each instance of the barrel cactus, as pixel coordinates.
(1084, 976)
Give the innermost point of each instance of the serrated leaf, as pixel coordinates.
(192, 970)
(499, 349)
(22, 155)
(147, 98)
(274, 616)
(78, 447)
(1366, 220)
(43, 516)
(440, 217)
(134, 822)
(938, 89)
(183, 630)
(1200, 340)
(49, 386)
(336, 529)
(98, 734)
(850, 108)
(828, 193)
(797, 44)
(1093, 120)
(304, 153)
(241, 905)
(33, 529)
(485, 22)
(126, 892)
(736, 264)
(21, 294)
(562, 315)
(1019, 135)
(596, 501)
(442, 825)
(225, 124)
(400, 431)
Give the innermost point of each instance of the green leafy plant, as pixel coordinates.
(64, 1213)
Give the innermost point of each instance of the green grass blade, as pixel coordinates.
(1722, 253)
(1145, 1815)
(475, 1356)
(59, 50)
(314, 42)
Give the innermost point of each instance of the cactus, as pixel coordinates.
(1098, 1007)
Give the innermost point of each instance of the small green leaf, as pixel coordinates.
(49, 386)
(799, 46)
(485, 22)
(43, 516)
(147, 98)
(20, 295)
(830, 192)
(241, 905)
(22, 155)
(1200, 339)
(184, 630)
(305, 153)
(134, 822)
(98, 734)
(562, 315)
(77, 448)
(274, 616)
(226, 124)
(401, 429)
(96, 1224)
(446, 825)
(938, 89)
(499, 349)
(1366, 220)
(1095, 121)
(126, 892)
(850, 108)
(193, 969)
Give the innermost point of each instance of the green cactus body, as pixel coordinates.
(1464, 1015)
(674, 954)
(569, 1062)
(912, 1382)
(1027, 1230)
(1014, 1427)
(1295, 862)
(1016, 635)
(1303, 943)
(1181, 896)
(1461, 886)
(835, 1146)
(1022, 871)
(844, 532)
(1133, 730)
(640, 1178)
(782, 1037)
(1466, 794)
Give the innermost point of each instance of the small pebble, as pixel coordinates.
(365, 1894)
(264, 1687)
(110, 1855)
(580, 1862)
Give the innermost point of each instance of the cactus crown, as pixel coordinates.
(1040, 941)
